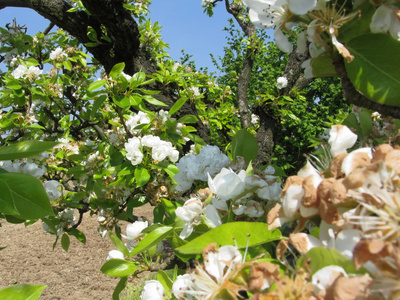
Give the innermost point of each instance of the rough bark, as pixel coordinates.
(293, 70)
(244, 78)
(265, 135)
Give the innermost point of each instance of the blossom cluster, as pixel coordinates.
(159, 149)
(244, 194)
(24, 72)
(357, 199)
(193, 167)
(321, 18)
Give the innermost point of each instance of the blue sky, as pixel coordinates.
(185, 26)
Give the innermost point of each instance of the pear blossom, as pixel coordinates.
(321, 280)
(341, 138)
(23, 72)
(211, 278)
(268, 14)
(51, 188)
(182, 284)
(386, 19)
(134, 230)
(133, 152)
(192, 167)
(277, 13)
(281, 82)
(115, 254)
(32, 169)
(152, 290)
(206, 3)
(344, 241)
(58, 54)
(227, 184)
(191, 213)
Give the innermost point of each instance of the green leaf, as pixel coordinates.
(22, 292)
(117, 69)
(120, 287)
(244, 144)
(67, 64)
(366, 122)
(142, 176)
(188, 119)
(177, 105)
(97, 104)
(322, 66)
(137, 79)
(153, 238)
(119, 244)
(320, 257)
(65, 242)
(14, 84)
(24, 149)
(153, 101)
(28, 195)
(165, 281)
(196, 139)
(7, 205)
(241, 233)
(92, 34)
(78, 234)
(96, 85)
(375, 70)
(118, 268)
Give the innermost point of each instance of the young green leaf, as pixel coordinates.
(116, 70)
(178, 104)
(65, 242)
(165, 281)
(119, 244)
(142, 176)
(22, 292)
(375, 70)
(96, 85)
(239, 233)
(25, 149)
(153, 238)
(28, 195)
(244, 144)
(119, 288)
(118, 268)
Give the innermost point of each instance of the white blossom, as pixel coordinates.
(113, 254)
(192, 167)
(341, 138)
(386, 19)
(152, 290)
(281, 82)
(191, 213)
(133, 152)
(227, 184)
(58, 54)
(51, 188)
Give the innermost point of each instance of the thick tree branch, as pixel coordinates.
(293, 70)
(120, 26)
(354, 97)
(15, 3)
(244, 78)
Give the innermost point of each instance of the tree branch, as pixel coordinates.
(15, 3)
(244, 78)
(354, 97)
